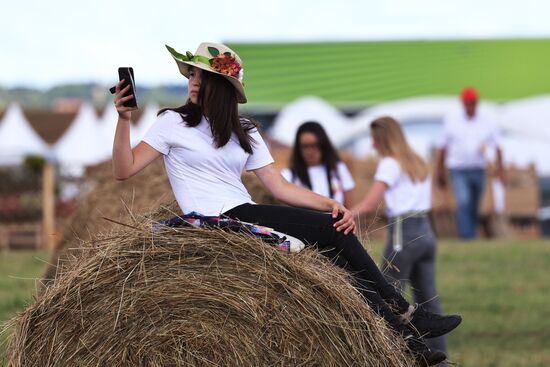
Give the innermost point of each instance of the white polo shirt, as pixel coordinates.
(342, 180)
(467, 140)
(403, 195)
(205, 179)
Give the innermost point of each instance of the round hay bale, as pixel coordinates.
(195, 297)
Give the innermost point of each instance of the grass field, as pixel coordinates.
(500, 288)
(371, 72)
(502, 291)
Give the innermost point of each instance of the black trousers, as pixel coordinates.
(316, 229)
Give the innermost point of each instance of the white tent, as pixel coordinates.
(529, 117)
(307, 109)
(523, 151)
(421, 118)
(107, 128)
(527, 131)
(420, 110)
(418, 107)
(17, 138)
(81, 144)
(146, 120)
(525, 126)
(424, 110)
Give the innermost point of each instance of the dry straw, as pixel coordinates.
(193, 297)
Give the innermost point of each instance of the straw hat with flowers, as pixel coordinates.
(215, 58)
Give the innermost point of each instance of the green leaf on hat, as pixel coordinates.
(189, 55)
(213, 51)
(175, 53)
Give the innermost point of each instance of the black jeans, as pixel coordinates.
(316, 229)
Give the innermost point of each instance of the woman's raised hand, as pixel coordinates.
(347, 223)
(124, 113)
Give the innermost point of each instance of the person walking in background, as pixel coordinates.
(316, 165)
(466, 137)
(403, 181)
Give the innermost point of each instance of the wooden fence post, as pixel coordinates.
(48, 206)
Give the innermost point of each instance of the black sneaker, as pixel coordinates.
(423, 355)
(431, 325)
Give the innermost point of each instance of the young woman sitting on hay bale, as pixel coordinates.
(206, 145)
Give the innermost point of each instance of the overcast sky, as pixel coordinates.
(60, 41)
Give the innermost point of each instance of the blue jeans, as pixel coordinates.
(468, 186)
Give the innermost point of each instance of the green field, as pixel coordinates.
(18, 271)
(370, 72)
(500, 288)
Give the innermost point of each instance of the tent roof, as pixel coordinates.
(306, 109)
(17, 137)
(48, 124)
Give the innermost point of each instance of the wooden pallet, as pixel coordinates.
(26, 235)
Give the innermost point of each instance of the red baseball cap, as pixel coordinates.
(469, 94)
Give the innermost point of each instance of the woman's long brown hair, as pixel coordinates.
(217, 100)
(392, 143)
(329, 155)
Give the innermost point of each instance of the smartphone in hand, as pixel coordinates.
(127, 73)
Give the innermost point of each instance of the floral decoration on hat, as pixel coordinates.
(225, 63)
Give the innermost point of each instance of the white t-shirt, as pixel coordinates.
(466, 141)
(205, 179)
(402, 195)
(342, 180)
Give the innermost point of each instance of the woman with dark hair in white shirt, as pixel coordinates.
(316, 165)
(206, 145)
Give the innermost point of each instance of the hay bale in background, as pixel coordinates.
(103, 196)
(258, 192)
(200, 298)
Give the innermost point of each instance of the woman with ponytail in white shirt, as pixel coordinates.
(403, 181)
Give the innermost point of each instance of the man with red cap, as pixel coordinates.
(466, 137)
